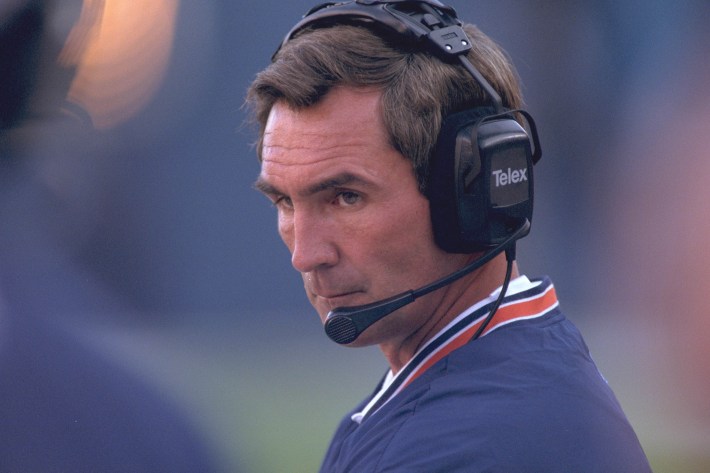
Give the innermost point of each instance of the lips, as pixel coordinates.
(338, 299)
(330, 293)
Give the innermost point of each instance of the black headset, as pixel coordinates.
(480, 183)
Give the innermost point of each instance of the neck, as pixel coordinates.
(447, 302)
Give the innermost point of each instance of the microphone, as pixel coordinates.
(344, 325)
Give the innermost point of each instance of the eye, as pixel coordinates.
(347, 198)
(283, 203)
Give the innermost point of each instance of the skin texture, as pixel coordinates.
(358, 229)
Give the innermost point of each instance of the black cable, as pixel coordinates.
(510, 258)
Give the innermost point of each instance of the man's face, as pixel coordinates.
(349, 209)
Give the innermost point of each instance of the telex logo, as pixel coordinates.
(503, 178)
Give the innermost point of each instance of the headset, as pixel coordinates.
(480, 184)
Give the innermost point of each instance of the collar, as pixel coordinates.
(525, 299)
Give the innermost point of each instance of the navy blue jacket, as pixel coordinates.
(526, 397)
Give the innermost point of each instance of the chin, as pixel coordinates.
(322, 310)
(385, 331)
(324, 306)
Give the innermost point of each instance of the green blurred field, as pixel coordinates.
(268, 395)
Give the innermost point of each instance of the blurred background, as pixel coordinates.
(127, 208)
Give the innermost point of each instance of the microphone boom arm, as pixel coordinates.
(344, 325)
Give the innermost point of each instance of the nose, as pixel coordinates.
(310, 240)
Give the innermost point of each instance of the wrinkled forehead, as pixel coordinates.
(343, 115)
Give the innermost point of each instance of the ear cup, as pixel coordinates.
(480, 184)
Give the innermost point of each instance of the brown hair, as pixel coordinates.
(418, 89)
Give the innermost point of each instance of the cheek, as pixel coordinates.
(400, 243)
(411, 227)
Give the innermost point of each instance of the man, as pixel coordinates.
(486, 374)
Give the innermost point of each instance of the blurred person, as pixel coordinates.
(64, 405)
(393, 146)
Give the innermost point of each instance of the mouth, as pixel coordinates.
(335, 300)
(326, 295)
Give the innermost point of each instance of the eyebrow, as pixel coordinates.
(336, 181)
(265, 187)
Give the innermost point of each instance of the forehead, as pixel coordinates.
(340, 113)
(342, 133)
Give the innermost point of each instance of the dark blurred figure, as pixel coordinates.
(48, 201)
(64, 407)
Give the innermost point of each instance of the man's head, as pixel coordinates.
(348, 120)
